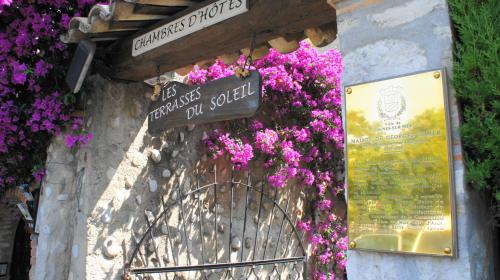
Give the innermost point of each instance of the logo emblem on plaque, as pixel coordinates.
(391, 103)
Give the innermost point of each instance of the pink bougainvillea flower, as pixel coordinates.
(41, 68)
(4, 3)
(278, 179)
(290, 155)
(18, 73)
(32, 109)
(304, 225)
(80, 140)
(265, 140)
(38, 175)
(324, 204)
(316, 239)
(298, 136)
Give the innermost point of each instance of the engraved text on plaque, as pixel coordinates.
(399, 177)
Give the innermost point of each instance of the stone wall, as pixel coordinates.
(382, 39)
(94, 202)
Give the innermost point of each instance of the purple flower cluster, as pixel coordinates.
(239, 153)
(4, 3)
(9, 116)
(46, 113)
(299, 135)
(38, 175)
(34, 103)
(78, 140)
(329, 245)
(266, 140)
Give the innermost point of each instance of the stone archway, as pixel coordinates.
(14, 261)
(20, 264)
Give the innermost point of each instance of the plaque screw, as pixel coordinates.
(352, 244)
(437, 75)
(447, 250)
(349, 90)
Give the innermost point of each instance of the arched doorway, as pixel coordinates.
(14, 242)
(20, 264)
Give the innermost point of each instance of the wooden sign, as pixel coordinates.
(223, 99)
(399, 166)
(189, 23)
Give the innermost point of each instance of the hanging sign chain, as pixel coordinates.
(249, 58)
(157, 86)
(244, 71)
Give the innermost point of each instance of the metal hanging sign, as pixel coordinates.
(224, 99)
(188, 23)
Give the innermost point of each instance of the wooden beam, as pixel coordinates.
(122, 11)
(333, 3)
(229, 58)
(204, 63)
(268, 19)
(163, 2)
(157, 10)
(184, 70)
(258, 52)
(283, 45)
(322, 35)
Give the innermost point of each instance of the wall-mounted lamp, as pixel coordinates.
(80, 65)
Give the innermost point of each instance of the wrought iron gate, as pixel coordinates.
(195, 237)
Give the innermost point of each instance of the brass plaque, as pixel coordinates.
(399, 172)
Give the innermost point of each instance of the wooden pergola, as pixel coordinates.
(279, 24)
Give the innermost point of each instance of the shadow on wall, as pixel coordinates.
(94, 203)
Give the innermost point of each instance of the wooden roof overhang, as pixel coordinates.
(279, 24)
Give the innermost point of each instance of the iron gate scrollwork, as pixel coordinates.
(194, 237)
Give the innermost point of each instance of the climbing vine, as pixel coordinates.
(35, 104)
(299, 136)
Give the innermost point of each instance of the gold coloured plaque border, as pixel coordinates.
(443, 75)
